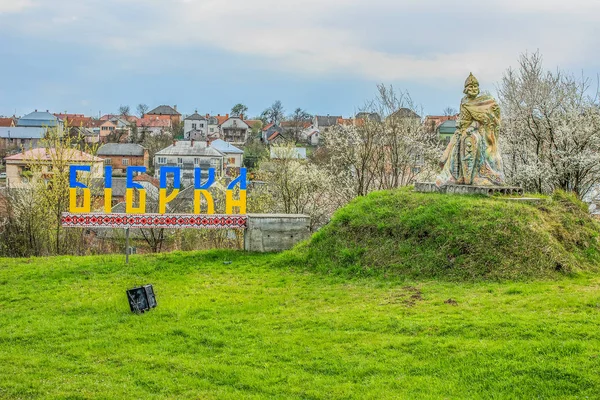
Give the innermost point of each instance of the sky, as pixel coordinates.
(325, 56)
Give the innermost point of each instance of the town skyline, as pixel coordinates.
(68, 56)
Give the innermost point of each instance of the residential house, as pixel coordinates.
(368, 116)
(89, 135)
(75, 120)
(254, 124)
(433, 122)
(272, 133)
(165, 113)
(122, 155)
(20, 138)
(40, 120)
(8, 122)
(322, 123)
(297, 130)
(446, 130)
(213, 123)
(234, 130)
(80, 126)
(18, 166)
(312, 136)
(122, 124)
(233, 156)
(132, 119)
(404, 113)
(351, 121)
(96, 126)
(153, 126)
(188, 155)
(107, 128)
(194, 122)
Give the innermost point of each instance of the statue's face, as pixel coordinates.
(472, 90)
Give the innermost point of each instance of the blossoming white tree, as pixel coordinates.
(550, 134)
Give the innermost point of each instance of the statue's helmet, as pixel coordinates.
(471, 80)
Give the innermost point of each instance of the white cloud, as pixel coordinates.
(13, 6)
(379, 40)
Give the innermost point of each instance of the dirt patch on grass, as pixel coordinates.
(407, 295)
(451, 302)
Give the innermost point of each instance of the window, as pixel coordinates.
(231, 160)
(214, 162)
(179, 161)
(193, 126)
(201, 124)
(107, 161)
(212, 129)
(196, 161)
(125, 161)
(162, 160)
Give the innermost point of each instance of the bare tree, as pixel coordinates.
(142, 109)
(274, 114)
(124, 111)
(450, 111)
(550, 134)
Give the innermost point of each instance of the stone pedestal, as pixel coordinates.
(429, 187)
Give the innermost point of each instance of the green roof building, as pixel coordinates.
(446, 130)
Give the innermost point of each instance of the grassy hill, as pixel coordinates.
(428, 235)
(245, 330)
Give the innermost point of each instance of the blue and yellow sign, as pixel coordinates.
(201, 190)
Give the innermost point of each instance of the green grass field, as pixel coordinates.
(249, 330)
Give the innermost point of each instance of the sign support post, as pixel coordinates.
(126, 245)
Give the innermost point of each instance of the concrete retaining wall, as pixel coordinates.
(275, 232)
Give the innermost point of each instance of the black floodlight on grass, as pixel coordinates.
(141, 298)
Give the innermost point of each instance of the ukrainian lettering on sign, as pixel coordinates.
(135, 216)
(201, 190)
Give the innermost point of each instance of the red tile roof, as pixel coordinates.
(351, 121)
(268, 126)
(274, 135)
(221, 118)
(292, 124)
(66, 116)
(96, 123)
(85, 122)
(7, 122)
(153, 123)
(128, 118)
(251, 122)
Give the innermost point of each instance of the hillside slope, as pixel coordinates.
(428, 235)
